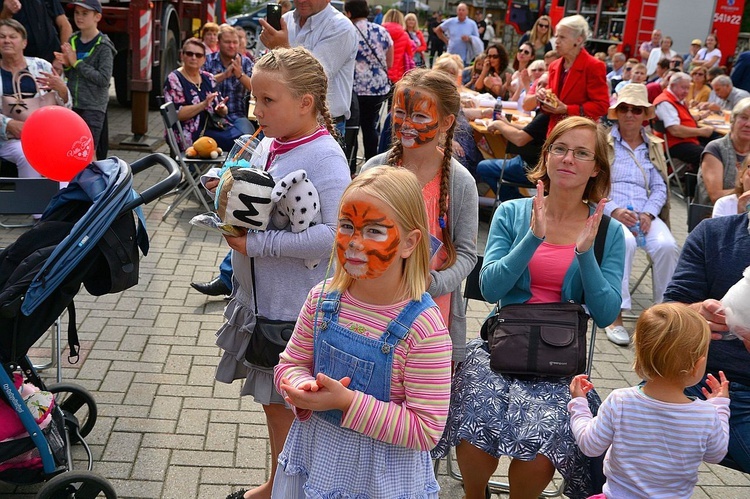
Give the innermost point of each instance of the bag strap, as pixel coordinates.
(601, 238)
(17, 93)
(252, 275)
(643, 171)
(372, 51)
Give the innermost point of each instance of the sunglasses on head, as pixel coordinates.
(197, 55)
(527, 52)
(637, 111)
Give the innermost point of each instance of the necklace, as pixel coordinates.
(191, 77)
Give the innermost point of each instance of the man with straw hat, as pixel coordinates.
(639, 195)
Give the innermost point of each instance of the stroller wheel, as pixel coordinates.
(77, 485)
(76, 401)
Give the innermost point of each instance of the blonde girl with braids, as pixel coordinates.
(368, 367)
(425, 106)
(289, 86)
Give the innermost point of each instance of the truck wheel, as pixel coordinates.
(169, 62)
(120, 72)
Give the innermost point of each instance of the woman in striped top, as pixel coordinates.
(654, 435)
(367, 370)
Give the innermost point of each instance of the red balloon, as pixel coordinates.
(57, 142)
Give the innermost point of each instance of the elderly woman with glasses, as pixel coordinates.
(577, 81)
(539, 250)
(721, 158)
(193, 92)
(539, 37)
(638, 194)
(495, 75)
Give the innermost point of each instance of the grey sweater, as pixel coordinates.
(88, 81)
(281, 277)
(463, 221)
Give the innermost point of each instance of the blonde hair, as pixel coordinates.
(398, 189)
(209, 26)
(597, 187)
(394, 16)
(301, 73)
(448, 101)
(225, 30)
(739, 188)
(534, 36)
(450, 64)
(412, 16)
(669, 340)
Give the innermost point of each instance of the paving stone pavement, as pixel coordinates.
(165, 428)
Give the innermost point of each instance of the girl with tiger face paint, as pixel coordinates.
(425, 106)
(415, 117)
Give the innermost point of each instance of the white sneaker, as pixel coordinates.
(618, 335)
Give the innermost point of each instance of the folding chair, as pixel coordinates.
(25, 196)
(191, 168)
(695, 212)
(677, 166)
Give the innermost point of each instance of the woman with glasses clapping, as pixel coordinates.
(539, 37)
(539, 250)
(193, 92)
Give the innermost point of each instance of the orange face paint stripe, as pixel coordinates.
(376, 256)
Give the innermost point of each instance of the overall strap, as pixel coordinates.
(331, 305)
(399, 327)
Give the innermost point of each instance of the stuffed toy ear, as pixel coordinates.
(244, 198)
(286, 183)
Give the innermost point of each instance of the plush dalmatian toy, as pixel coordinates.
(297, 204)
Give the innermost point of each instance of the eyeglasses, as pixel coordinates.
(527, 52)
(197, 55)
(637, 111)
(493, 56)
(627, 69)
(545, 26)
(578, 154)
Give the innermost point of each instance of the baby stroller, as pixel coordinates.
(87, 235)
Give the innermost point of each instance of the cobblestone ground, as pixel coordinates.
(165, 428)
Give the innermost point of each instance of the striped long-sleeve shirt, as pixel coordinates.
(420, 376)
(655, 447)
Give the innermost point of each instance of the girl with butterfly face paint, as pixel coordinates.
(367, 370)
(425, 105)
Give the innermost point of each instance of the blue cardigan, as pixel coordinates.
(505, 275)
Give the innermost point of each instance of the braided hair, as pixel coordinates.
(302, 74)
(440, 85)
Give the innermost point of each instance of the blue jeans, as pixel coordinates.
(739, 421)
(489, 171)
(225, 270)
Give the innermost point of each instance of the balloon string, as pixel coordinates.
(247, 143)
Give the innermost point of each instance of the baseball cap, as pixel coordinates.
(696, 41)
(94, 5)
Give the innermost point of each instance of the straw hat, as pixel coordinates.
(634, 94)
(697, 41)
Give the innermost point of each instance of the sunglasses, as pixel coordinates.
(493, 56)
(699, 74)
(636, 111)
(197, 55)
(627, 69)
(675, 62)
(542, 26)
(527, 52)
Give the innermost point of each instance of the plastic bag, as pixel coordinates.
(736, 307)
(211, 221)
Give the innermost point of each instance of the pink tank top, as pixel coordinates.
(548, 267)
(431, 195)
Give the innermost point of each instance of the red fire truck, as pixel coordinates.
(148, 35)
(628, 23)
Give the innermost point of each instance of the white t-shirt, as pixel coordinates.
(725, 206)
(704, 55)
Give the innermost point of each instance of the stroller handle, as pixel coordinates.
(159, 189)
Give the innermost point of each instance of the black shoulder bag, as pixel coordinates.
(541, 339)
(269, 337)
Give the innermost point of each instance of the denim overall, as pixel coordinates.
(340, 352)
(321, 459)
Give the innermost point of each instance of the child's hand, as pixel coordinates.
(580, 386)
(237, 243)
(68, 54)
(716, 388)
(330, 394)
(212, 184)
